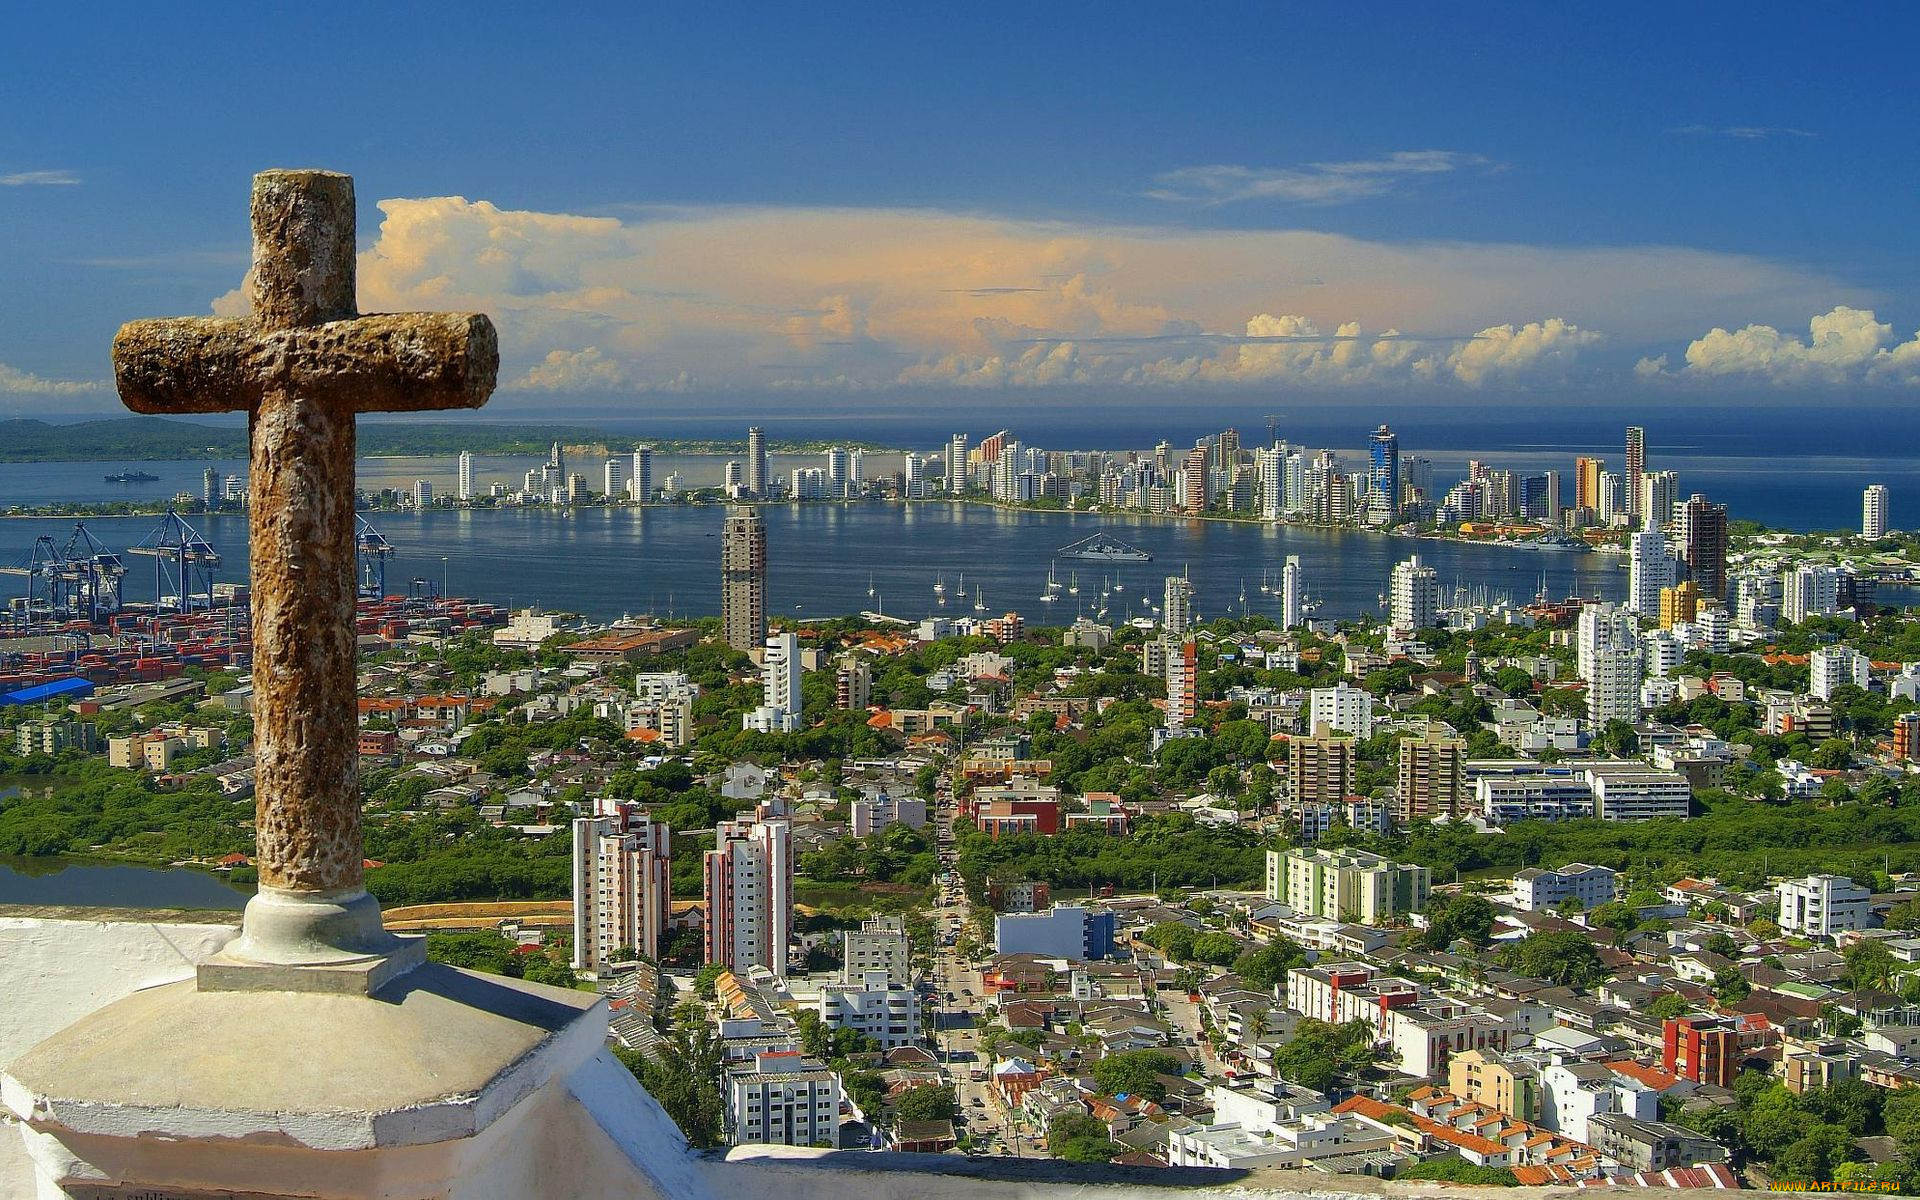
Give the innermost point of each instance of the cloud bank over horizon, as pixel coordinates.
(864, 300)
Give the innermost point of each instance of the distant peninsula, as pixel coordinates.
(157, 439)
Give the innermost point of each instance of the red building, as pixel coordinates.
(1703, 1049)
(995, 817)
(1906, 737)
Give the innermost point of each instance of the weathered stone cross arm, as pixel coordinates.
(389, 362)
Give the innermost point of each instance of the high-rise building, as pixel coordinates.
(1586, 482)
(640, 483)
(1602, 627)
(913, 483)
(1702, 530)
(837, 472)
(1613, 687)
(1650, 570)
(1383, 472)
(576, 488)
(1636, 467)
(1193, 481)
(423, 493)
(464, 489)
(1183, 701)
(1176, 611)
(1556, 510)
(1226, 450)
(757, 479)
(853, 683)
(1659, 492)
(1679, 604)
(743, 581)
(557, 462)
(1415, 596)
(210, 487)
(1830, 668)
(1873, 512)
(1290, 598)
(780, 675)
(957, 463)
(622, 884)
(1320, 768)
(1341, 708)
(1809, 590)
(1272, 468)
(613, 482)
(1433, 775)
(749, 895)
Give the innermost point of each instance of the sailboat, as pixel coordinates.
(940, 590)
(1052, 591)
(1073, 584)
(979, 599)
(869, 585)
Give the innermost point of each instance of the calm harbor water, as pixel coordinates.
(61, 881)
(824, 559)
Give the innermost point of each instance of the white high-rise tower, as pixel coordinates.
(1649, 568)
(1290, 585)
(1873, 513)
(1415, 596)
(465, 489)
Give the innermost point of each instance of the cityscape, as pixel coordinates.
(700, 604)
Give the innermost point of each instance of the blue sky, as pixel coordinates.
(835, 206)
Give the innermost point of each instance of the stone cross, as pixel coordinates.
(301, 367)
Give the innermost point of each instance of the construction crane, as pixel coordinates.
(372, 550)
(183, 565)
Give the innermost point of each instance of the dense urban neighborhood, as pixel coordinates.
(1555, 893)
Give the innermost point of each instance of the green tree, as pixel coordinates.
(1265, 967)
(1078, 1137)
(1816, 1155)
(928, 1102)
(1568, 958)
(1216, 948)
(1135, 1073)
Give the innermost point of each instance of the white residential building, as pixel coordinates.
(1415, 595)
(749, 895)
(783, 1099)
(622, 884)
(1649, 568)
(1346, 709)
(464, 488)
(880, 944)
(1823, 906)
(871, 815)
(1536, 889)
(1635, 791)
(1290, 593)
(1834, 667)
(780, 674)
(1176, 610)
(1571, 1093)
(1604, 627)
(1346, 885)
(1873, 512)
(1613, 684)
(889, 1013)
(1809, 590)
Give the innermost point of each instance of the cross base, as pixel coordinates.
(327, 942)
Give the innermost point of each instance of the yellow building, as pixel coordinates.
(1485, 1078)
(1679, 604)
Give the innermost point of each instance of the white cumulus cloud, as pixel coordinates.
(15, 382)
(1843, 345)
(824, 299)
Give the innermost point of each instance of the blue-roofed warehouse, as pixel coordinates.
(60, 689)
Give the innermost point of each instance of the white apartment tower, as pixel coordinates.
(1649, 568)
(622, 884)
(749, 895)
(1809, 590)
(957, 463)
(1415, 596)
(757, 479)
(640, 481)
(613, 480)
(464, 489)
(1873, 512)
(1290, 599)
(1604, 627)
(1176, 612)
(780, 674)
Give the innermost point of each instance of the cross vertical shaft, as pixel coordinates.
(301, 485)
